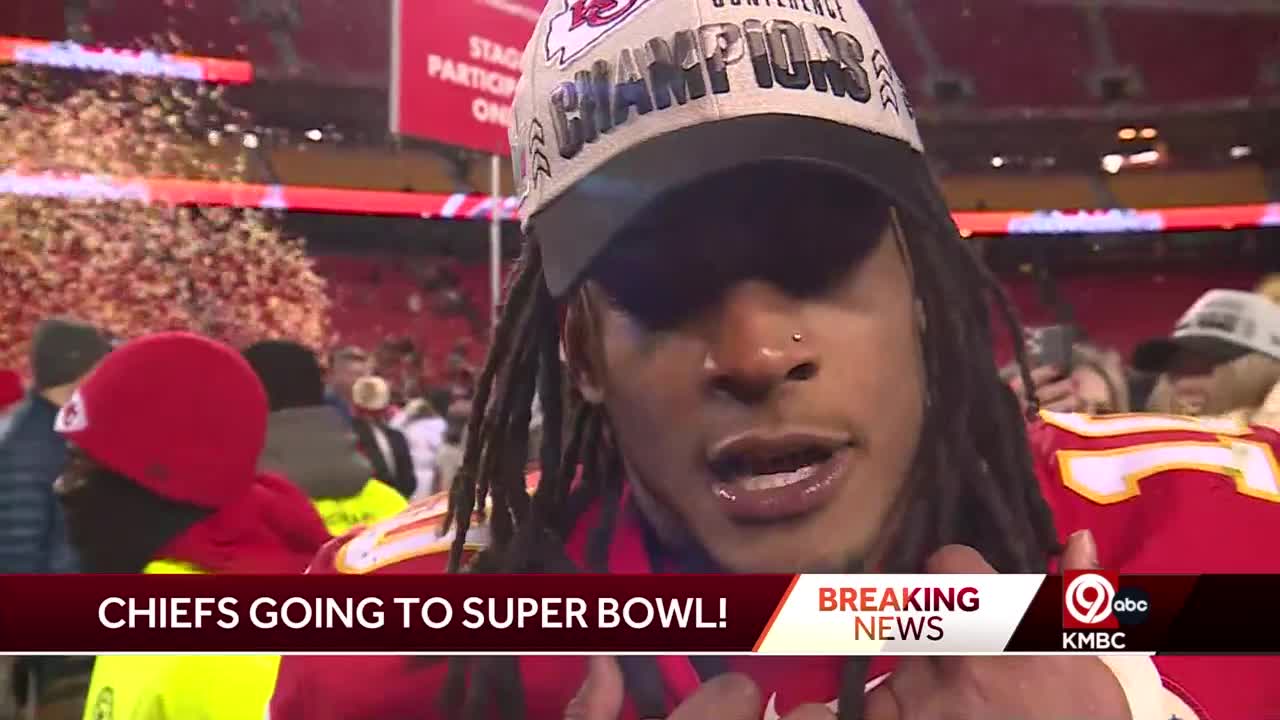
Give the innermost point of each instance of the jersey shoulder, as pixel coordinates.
(412, 542)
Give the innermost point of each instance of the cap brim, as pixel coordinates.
(1156, 356)
(577, 226)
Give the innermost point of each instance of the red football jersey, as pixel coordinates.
(1161, 494)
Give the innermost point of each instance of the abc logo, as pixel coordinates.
(1131, 606)
(1091, 599)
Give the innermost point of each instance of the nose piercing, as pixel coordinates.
(797, 337)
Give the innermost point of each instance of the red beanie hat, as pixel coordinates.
(10, 389)
(181, 415)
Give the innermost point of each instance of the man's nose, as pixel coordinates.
(757, 342)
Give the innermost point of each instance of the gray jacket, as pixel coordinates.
(315, 449)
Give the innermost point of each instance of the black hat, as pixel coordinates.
(64, 349)
(290, 373)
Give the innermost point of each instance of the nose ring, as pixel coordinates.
(797, 337)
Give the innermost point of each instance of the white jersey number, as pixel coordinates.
(1111, 476)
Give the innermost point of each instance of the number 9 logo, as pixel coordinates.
(1089, 598)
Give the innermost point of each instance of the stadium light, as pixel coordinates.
(250, 140)
(1112, 163)
(997, 161)
(315, 135)
(1239, 152)
(1149, 133)
(1127, 133)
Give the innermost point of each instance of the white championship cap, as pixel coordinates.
(1221, 325)
(622, 101)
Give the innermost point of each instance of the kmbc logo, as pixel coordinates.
(1094, 600)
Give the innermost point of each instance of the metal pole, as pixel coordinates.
(495, 239)
(393, 97)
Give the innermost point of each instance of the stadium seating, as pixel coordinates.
(204, 27)
(371, 304)
(1165, 46)
(348, 40)
(1018, 53)
(336, 42)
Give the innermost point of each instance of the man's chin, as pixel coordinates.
(785, 561)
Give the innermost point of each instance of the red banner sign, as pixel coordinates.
(454, 67)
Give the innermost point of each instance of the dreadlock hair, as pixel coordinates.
(971, 480)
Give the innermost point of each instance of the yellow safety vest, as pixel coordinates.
(377, 501)
(180, 687)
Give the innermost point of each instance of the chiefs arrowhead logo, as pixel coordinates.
(583, 23)
(72, 417)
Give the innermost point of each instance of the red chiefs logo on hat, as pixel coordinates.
(72, 417)
(582, 24)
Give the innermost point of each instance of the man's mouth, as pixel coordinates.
(765, 477)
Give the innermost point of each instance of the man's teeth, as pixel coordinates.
(774, 480)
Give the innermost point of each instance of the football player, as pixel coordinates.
(778, 360)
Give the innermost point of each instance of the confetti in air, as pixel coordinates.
(130, 266)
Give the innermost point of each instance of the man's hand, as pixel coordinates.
(1035, 688)
(1053, 390)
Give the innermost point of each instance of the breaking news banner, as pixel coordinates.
(1090, 612)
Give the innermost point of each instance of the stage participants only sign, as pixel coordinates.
(454, 66)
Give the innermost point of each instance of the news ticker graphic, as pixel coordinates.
(1092, 613)
(459, 206)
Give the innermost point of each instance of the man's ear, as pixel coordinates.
(580, 349)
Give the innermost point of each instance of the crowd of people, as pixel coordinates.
(174, 453)
(1221, 359)
(678, 382)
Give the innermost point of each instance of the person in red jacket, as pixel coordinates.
(760, 345)
(164, 438)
